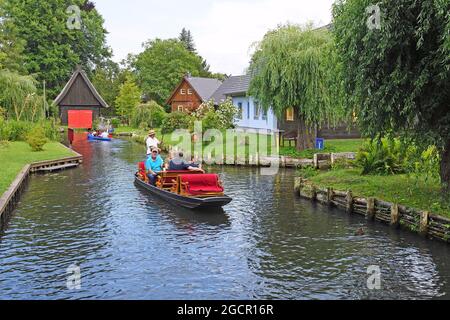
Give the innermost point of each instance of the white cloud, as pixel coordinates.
(223, 30)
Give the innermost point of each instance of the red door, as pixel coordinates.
(80, 119)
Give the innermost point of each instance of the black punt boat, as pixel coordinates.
(190, 202)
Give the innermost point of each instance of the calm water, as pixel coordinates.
(266, 244)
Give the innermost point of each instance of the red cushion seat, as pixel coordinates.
(198, 184)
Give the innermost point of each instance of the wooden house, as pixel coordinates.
(191, 92)
(79, 102)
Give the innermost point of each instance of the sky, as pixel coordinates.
(223, 30)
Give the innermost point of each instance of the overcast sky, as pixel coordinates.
(223, 30)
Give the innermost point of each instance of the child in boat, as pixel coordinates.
(154, 165)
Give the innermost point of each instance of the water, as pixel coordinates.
(267, 244)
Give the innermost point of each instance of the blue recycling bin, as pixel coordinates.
(320, 143)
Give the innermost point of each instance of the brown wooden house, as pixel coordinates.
(79, 102)
(191, 92)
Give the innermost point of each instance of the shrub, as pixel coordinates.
(36, 139)
(174, 121)
(220, 118)
(307, 172)
(115, 123)
(151, 113)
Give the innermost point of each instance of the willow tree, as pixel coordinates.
(296, 66)
(396, 58)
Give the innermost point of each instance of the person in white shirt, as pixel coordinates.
(152, 141)
(105, 134)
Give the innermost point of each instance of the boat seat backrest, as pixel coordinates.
(198, 185)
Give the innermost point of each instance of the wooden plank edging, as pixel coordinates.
(418, 221)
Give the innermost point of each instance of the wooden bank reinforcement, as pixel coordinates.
(10, 198)
(396, 215)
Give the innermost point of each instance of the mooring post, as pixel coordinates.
(349, 201)
(370, 209)
(329, 195)
(395, 216)
(424, 220)
(316, 161)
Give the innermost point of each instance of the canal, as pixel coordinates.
(266, 244)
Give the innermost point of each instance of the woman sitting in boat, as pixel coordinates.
(178, 164)
(154, 165)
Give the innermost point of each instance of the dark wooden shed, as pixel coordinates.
(79, 96)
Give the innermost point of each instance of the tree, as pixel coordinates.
(162, 65)
(397, 75)
(52, 50)
(149, 114)
(294, 66)
(187, 39)
(129, 97)
(18, 96)
(11, 45)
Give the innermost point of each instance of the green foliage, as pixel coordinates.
(162, 65)
(11, 45)
(36, 139)
(115, 122)
(187, 39)
(384, 157)
(307, 172)
(398, 78)
(13, 130)
(19, 98)
(220, 117)
(296, 66)
(150, 114)
(176, 120)
(128, 99)
(51, 50)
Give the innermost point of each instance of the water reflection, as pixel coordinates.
(267, 243)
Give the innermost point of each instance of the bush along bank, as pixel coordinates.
(396, 215)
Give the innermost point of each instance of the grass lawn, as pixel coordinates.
(402, 189)
(15, 155)
(331, 146)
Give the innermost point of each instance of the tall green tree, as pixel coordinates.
(11, 45)
(295, 66)
(397, 74)
(187, 39)
(53, 41)
(128, 99)
(162, 65)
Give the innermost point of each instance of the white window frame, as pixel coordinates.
(183, 91)
(181, 107)
(189, 92)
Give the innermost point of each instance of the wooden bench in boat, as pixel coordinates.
(200, 186)
(168, 180)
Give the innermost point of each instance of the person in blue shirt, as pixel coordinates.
(153, 165)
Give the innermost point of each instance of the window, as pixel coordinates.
(256, 111)
(248, 110)
(240, 110)
(189, 91)
(180, 108)
(183, 91)
(264, 115)
(290, 114)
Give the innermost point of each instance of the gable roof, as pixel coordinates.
(232, 86)
(204, 87)
(79, 72)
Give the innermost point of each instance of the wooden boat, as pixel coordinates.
(185, 188)
(95, 138)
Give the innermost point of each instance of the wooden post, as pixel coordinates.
(395, 216)
(424, 219)
(329, 195)
(316, 161)
(349, 200)
(370, 209)
(313, 192)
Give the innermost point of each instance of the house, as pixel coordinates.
(251, 115)
(192, 92)
(79, 102)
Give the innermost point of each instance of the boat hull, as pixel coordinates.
(92, 138)
(186, 202)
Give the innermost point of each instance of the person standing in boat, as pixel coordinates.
(154, 165)
(151, 141)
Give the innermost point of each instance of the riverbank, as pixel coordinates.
(407, 190)
(15, 155)
(331, 146)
